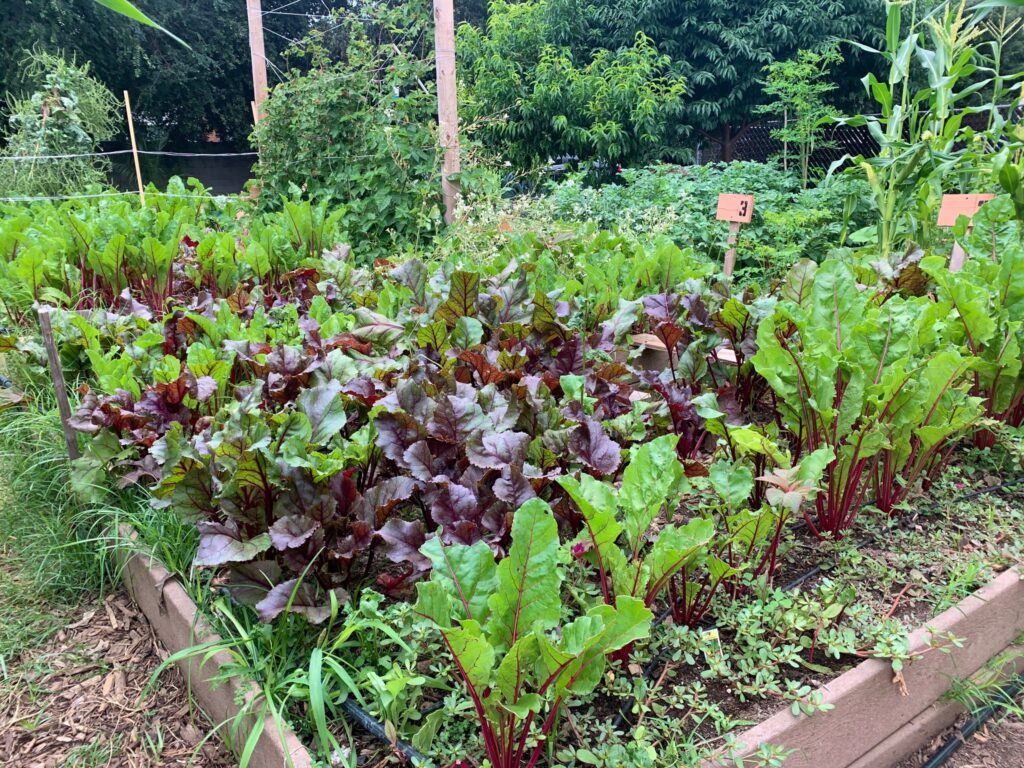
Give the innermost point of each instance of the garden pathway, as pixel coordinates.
(76, 701)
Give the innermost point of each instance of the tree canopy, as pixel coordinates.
(179, 95)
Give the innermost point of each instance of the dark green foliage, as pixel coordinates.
(718, 47)
(178, 94)
(359, 133)
(533, 101)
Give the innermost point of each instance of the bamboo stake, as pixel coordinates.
(730, 254)
(57, 374)
(255, 113)
(135, 148)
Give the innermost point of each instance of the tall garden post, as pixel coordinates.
(447, 103)
(737, 210)
(257, 54)
(952, 208)
(57, 374)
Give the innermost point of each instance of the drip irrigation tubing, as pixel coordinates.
(1007, 694)
(375, 728)
(654, 664)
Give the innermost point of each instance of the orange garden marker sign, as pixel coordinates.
(952, 208)
(737, 210)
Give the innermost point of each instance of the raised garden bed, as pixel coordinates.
(880, 718)
(176, 621)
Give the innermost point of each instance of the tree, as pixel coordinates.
(535, 101)
(799, 86)
(179, 95)
(719, 47)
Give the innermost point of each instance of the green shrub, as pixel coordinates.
(359, 133)
(68, 113)
(789, 223)
(533, 101)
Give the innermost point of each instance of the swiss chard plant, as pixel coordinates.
(504, 624)
(866, 380)
(986, 302)
(632, 556)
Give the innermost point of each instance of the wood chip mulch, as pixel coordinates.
(77, 700)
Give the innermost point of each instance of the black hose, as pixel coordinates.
(653, 665)
(375, 728)
(1007, 694)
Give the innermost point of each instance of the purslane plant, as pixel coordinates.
(518, 655)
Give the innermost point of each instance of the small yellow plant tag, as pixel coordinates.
(710, 637)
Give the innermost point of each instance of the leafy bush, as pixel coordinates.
(789, 223)
(533, 102)
(359, 134)
(68, 113)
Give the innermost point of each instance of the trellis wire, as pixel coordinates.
(112, 152)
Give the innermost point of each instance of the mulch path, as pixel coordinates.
(997, 744)
(77, 700)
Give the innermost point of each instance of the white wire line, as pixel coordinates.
(27, 158)
(282, 7)
(155, 195)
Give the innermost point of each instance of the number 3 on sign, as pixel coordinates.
(738, 209)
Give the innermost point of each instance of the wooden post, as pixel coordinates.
(57, 374)
(257, 54)
(737, 210)
(135, 148)
(447, 103)
(730, 253)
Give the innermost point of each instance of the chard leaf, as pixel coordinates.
(592, 445)
(462, 298)
(474, 654)
(598, 504)
(517, 668)
(467, 573)
(653, 477)
(674, 549)
(529, 579)
(303, 599)
(498, 450)
(292, 531)
(577, 660)
(733, 482)
(404, 539)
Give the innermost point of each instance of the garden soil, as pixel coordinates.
(78, 700)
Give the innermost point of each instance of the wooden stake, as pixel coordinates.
(135, 148)
(255, 113)
(447, 103)
(57, 374)
(730, 254)
(957, 257)
(257, 55)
